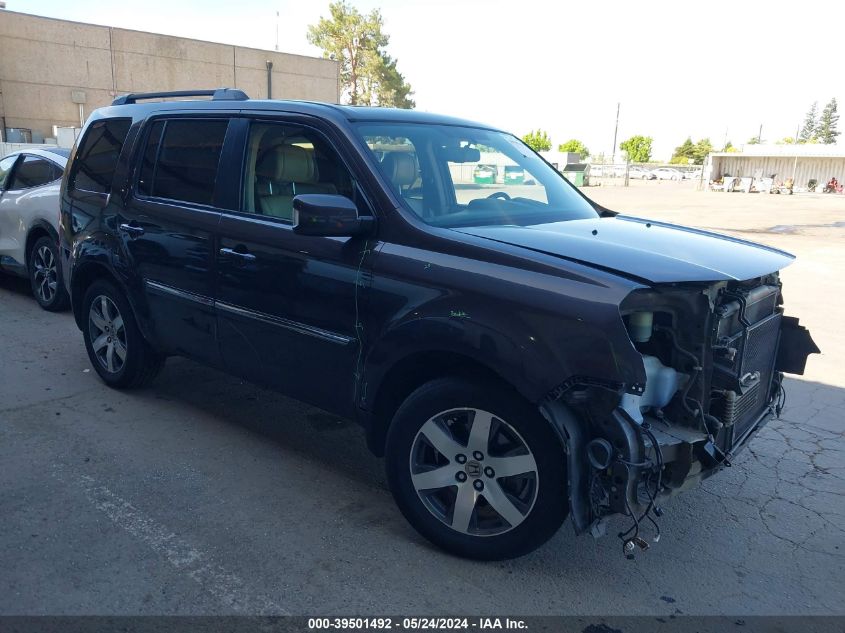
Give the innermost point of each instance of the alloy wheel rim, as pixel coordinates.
(474, 472)
(46, 274)
(108, 334)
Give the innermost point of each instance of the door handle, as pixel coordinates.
(132, 230)
(231, 252)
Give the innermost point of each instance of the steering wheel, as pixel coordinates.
(499, 194)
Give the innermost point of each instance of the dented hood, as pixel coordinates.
(643, 249)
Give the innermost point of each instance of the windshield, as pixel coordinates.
(454, 176)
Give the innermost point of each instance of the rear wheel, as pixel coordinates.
(476, 470)
(115, 345)
(45, 277)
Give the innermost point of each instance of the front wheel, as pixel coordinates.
(45, 276)
(476, 470)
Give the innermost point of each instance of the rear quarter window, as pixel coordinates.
(34, 172)
(97, 157)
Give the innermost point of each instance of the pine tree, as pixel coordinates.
(683, 152)
(811, 123)
(826, 130)
(368, 75)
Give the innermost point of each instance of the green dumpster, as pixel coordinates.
(514, 175)
(485, 174)
(577, 174)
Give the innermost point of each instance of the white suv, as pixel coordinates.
(29, 217)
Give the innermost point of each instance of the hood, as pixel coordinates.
(652, 251)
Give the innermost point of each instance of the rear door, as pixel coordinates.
(287, 304)
(167, 228)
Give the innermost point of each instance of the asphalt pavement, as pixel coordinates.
(202, 494)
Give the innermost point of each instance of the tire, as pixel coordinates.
(109, 326)
(45, 276)
(452, 509)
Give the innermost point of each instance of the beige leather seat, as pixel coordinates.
(401, 169)
(283, 172)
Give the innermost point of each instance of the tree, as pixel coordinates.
(538, 140)
(811, 124)
(754, 140)
(392, 89)
(637, 149)
(683, 152)
(826, 130)
(729, 147)
(575, 146)
(701, 150)
(368, 75)
(688, 152)
(786, 140)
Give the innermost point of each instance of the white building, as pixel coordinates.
(802, 163)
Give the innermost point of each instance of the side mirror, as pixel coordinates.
(328, 215)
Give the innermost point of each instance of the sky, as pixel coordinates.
(717, 69)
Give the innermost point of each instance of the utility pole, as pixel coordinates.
(277, 31)
(760, 135)
(615, 131)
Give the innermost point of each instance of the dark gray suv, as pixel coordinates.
(517, 352)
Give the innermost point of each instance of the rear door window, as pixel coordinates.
(181, 158)
(33, 172)
(97, 157)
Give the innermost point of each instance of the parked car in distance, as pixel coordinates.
(29, 219)
(640, 173)
(693, 174)
(667, 173)
(515, 359)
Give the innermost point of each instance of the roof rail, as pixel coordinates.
(220, 94)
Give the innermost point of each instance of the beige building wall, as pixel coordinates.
(43, 60)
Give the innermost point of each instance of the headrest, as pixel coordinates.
(401, 168)
(287, 163)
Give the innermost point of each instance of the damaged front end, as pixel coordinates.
(714, 357)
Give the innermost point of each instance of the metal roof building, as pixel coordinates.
(802, 163)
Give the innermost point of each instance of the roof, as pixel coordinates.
(57, 155)
(58, 151)
(313, 108)
(804, 150)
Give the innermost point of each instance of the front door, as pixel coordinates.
(290, 307)
(167, 228)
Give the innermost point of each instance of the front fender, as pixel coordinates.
(453, 332)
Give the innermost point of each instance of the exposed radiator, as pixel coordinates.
(750, 329)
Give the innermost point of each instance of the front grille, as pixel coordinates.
(756, 368)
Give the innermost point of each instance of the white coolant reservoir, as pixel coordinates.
(661, 383)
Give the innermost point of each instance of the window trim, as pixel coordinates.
(141, 148)
(78, 155)
(305, 123)
(12, 169)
